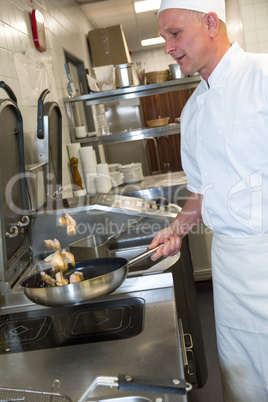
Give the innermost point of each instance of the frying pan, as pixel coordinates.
(95, 246)
(101, 276)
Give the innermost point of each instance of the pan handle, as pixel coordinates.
(144, 255)
(129, 383)
(123, 228)
(174, 386)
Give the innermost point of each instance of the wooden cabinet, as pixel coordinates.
(168, 146)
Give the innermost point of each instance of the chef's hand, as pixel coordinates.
(171, 243)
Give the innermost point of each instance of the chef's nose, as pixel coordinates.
(169, 47)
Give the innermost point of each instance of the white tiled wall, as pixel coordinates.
(66, 28)
(254, 15)
(153, 60)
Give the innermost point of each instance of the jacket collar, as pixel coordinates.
(223, 67)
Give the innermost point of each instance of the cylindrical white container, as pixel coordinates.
(103, 184)
(103, 168)
(88, 159)
(80, 132)
(90, 183)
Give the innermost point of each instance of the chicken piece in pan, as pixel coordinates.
(76, 277)
(60, 280)
(57, 262)
(47, 279)
(68, 257)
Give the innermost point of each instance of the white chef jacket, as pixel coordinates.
(224, 146)
(224, 129)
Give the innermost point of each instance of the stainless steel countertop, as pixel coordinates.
(153, 354)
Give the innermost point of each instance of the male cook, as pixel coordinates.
(224, 148)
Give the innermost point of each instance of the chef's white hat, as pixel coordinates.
(204, 6)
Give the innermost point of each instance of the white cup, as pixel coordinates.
(80, 132)
(103, 184)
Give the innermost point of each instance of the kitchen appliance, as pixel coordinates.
(77, 344)
(14, 245)
(32, 330)
(107, 213)
(80, 360)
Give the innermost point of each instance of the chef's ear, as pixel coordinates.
(212, 21)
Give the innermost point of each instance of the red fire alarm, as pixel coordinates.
(39, 33)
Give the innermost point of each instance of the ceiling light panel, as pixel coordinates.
(152, 41)
(146, 5)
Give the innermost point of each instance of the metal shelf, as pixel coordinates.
(134, 135)
(124, 94)
(136, 92)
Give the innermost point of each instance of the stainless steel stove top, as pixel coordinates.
(144, 354)
(71, 325)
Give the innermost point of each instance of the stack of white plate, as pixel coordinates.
(117, 177)
(114, 167)
(132, 172)
(103, 180)
(89, 165)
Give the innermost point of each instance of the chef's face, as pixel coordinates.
(187, 39)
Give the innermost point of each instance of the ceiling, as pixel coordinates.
(136, 27)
